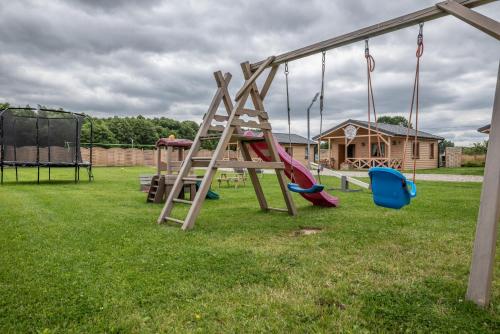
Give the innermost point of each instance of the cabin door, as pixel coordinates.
(341, 155)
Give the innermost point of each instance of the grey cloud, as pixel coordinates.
(157, 58)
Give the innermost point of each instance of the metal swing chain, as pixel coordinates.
(370, 67)
(415, 101)
(292, 176)
(321, 105)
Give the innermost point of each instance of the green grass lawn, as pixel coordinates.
(90, 258)
(455, 171)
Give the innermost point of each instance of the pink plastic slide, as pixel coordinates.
(302, 176)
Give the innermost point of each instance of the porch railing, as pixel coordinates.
(362, 163)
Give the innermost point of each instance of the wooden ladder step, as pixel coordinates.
(191, 179)
(218, 128)
(175, 220)
(201, 158)
(183, 201)
(209, 137)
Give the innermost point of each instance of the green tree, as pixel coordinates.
(395, 120)
(100, 132)
(477, 148)
(444, 144)
(188, 130)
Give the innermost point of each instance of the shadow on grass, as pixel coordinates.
(434, 305)
(42, 182)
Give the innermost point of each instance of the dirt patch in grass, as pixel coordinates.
(305, 230)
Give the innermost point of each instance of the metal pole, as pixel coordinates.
(37, 148)
(1, 148)
(76, 150)
(48, 142)
(91, 147)
(309, 130)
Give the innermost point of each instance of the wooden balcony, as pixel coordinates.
(363, 163)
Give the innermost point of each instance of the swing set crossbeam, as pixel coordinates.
(483, 257)
(401, 22)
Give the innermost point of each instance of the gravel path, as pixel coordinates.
(422, 177)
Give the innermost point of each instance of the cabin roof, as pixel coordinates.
(282, 138)
(484, 129)
(387, 129)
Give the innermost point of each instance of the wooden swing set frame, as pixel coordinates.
(483, 257)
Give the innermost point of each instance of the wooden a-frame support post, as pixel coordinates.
(233, 127)
(483, 256)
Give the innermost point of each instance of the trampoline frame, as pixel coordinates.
(76, 165)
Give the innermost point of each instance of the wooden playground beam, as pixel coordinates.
(424, 15)
(483, 255)
(477, 20)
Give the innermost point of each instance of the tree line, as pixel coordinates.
(135, 131)
(140, 131)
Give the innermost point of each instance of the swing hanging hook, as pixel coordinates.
(370, 60)
(420, 41)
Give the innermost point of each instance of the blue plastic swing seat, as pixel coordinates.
(390, 188)
(316, 188)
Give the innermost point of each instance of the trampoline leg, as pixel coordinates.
(1, 182)
(17, 178)
(49, 173)
(78, 173)
(75, 173)
(38, 175)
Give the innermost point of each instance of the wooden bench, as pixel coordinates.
(237, 177)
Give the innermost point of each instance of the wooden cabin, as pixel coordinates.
(350, 146)
(298, 147)
(485, 129)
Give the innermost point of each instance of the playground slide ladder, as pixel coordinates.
(225, 133)
(157, 189)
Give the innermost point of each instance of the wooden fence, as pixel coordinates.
(135, 157)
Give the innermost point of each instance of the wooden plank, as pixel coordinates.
(202, 131)
(218, 155)
(271, 143)
(200, 163)
(250, 80)
(401, 22)
(483, 256)
(243, 138)
(175, 220)
(249, 164)
(475, 19)
(220, 118)
(226, 98)
(259, 193)
(254, 113)
(252, 124)
(278, 209)
(183, 201)
(219, 128)
(158, 161)
(268, 82)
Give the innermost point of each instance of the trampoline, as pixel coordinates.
(47, 138)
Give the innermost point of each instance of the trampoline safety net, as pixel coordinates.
(32, 137)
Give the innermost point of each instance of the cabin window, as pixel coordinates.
(431, 149)
(289, 149)
(375, 150)
(415, 150)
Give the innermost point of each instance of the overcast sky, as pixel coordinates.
(156, 58)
